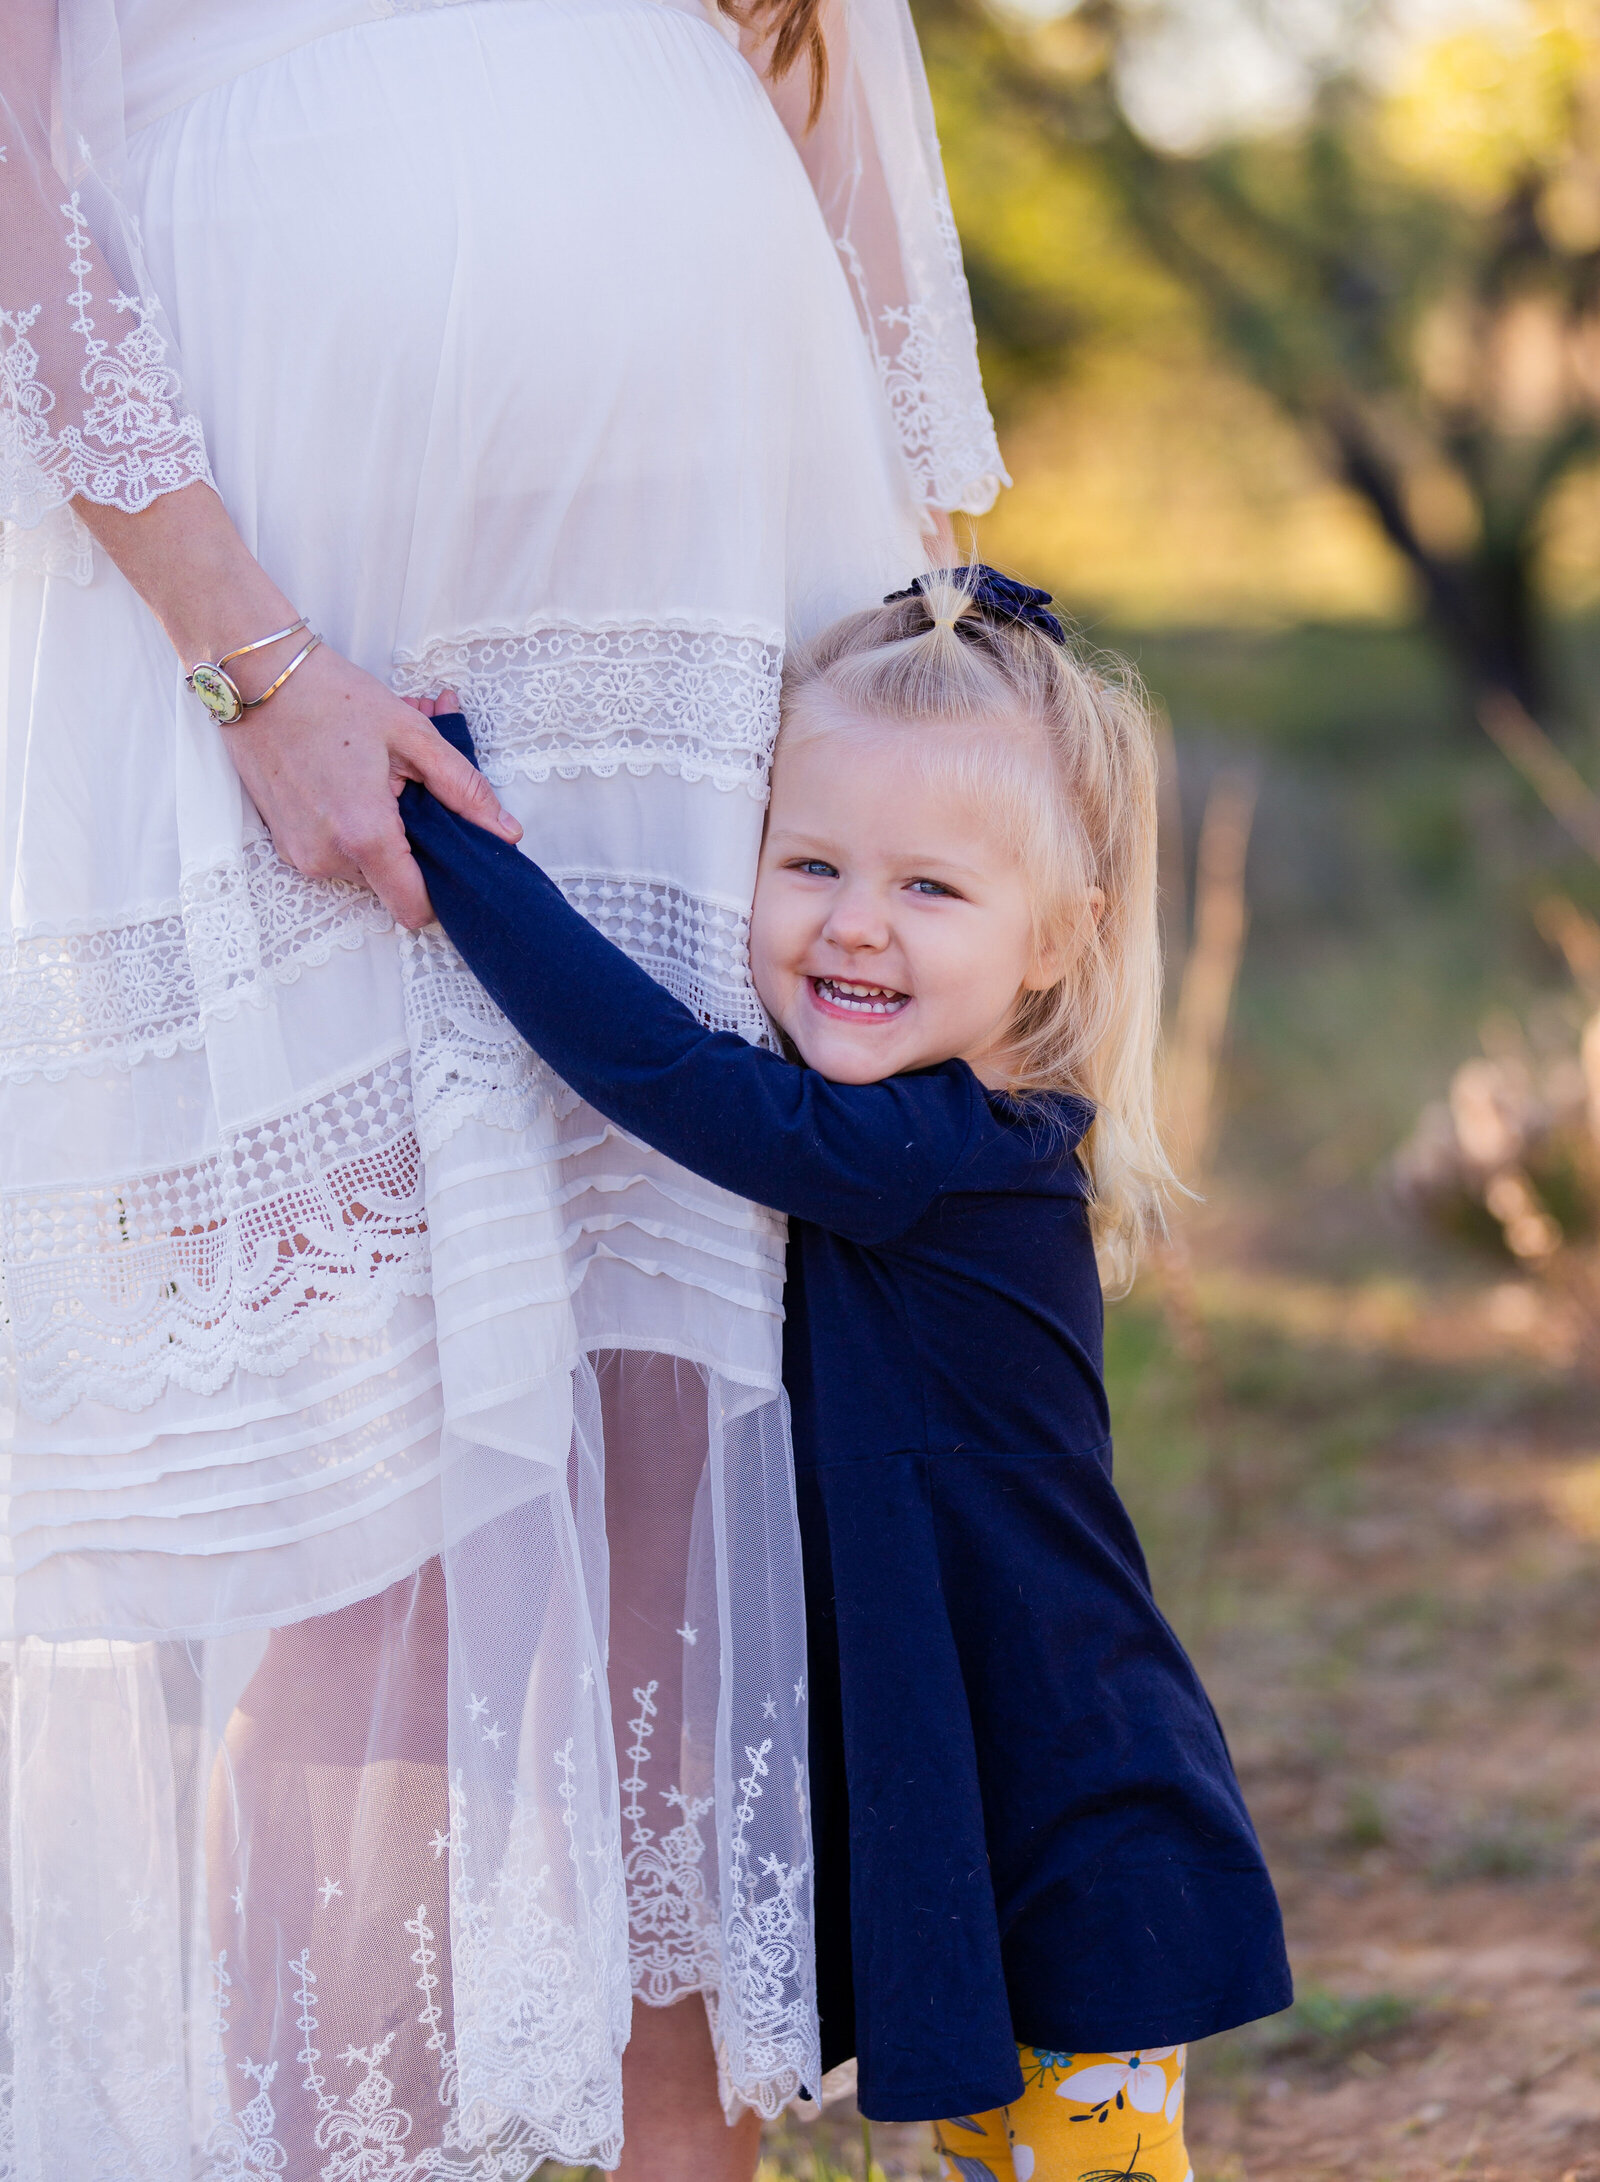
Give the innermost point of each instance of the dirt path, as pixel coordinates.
(1411, 1671)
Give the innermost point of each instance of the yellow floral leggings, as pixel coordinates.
(1082, 2117)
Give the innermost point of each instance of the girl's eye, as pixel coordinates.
(815, 868)
(930, 886)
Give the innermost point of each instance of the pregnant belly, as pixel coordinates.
(529, 290)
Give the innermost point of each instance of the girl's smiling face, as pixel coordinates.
(892, 928)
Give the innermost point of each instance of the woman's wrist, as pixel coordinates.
(327, 757)
(195, 573)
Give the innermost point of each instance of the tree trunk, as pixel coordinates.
(1481, 607)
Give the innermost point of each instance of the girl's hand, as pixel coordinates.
(325, 759)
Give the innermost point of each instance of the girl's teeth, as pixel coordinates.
(867, 999)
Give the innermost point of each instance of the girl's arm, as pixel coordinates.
(862, 1159)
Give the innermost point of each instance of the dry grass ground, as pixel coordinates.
(1411, 1672)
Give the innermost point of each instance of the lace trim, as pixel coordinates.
(672, 1926)
(112, 995)
(468, 1063)
(927, 360)
(701, 703)
(116, 994)
(754, 1963)
(537, 2004)
(306, 1224)
(310, 1221)
(97, 2091)
(763, 2012)
(135, 441)
(359, 2127)
(533, 2018)
(527, 2069)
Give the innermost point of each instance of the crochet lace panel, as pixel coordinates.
(311, 1221)
(308, 1223)
(468, 1061)
(571, 699)
(141, 987)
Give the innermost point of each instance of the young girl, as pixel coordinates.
(1036, 1878)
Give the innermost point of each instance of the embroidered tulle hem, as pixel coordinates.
(430, 1760)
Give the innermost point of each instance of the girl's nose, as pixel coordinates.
(857, 925)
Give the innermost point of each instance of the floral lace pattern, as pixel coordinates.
(927, 362)
(540, 2012)
(144, 986)
(360, 2127)
(534, 2025)
(468, 1063)
(308, 1223)
(134, 441)
(763, 2014)
(672, 1925)
(569, 699)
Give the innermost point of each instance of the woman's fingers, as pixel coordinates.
(325, 764)
(389, 868)
(458, 784)
(431, 707)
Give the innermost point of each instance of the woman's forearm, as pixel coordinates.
(194, 572)
(325, 758)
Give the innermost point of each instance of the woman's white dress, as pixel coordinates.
(404, 1662)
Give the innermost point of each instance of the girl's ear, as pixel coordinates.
(1052, 961)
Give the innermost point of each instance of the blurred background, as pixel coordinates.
(1290, 311)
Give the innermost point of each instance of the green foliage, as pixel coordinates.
(1424, 326)
(1327, 2027)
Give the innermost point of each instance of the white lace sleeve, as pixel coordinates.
(873, 158)
(90, 399)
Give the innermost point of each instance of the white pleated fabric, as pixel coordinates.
(401, 1590)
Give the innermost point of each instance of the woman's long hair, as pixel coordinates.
(789, 31)
(1057, 751)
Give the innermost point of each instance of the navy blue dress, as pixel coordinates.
(1026, 1821)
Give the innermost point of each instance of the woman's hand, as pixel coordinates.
(325, 759)
(324, 762)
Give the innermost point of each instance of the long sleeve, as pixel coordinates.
(873, 158)
(862, 1159)
(90, 398)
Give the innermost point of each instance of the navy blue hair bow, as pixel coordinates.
(999, 597)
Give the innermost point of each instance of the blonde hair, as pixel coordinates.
(1061, 758)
